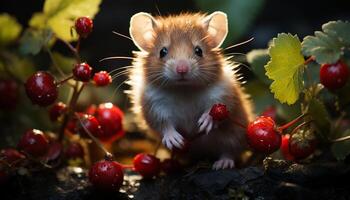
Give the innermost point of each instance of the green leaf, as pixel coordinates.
(328, 46)
(260, 95)
(257, 59)
(341, 149)
(239, 20)
(320, 117)
(21, 67)
(285, 68)
(32, 41)
(38, 21)
(64, 62)
(9, 29)
(61, 14)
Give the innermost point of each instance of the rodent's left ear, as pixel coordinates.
(217, 26)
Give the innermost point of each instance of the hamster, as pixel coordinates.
(179, 73)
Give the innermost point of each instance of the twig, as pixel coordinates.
(72, 49)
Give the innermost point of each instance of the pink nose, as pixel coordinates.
(182, 67)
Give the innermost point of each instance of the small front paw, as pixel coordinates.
(172, 139)
(206, 123)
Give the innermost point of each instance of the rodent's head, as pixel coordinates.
(180, 50)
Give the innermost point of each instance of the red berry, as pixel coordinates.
(9, 94)
(91, 110)
(75, 150)
(219, 112)
(54, 152)
(106, 175)
(285, 148)
(110, 119)
(147, 165)
(301, 146)
(11, 156)
(270, 112)
(262, 135)
(102, 78)
(334, 76)
(82, 72)
(83, 26)
(41, 88)
(170, 166)
(34, 142)
(89, 123)
(72, 126)
(57, 110)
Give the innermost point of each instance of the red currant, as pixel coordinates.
(83, 26)
(8, 89)
(102, 78)
(301, 146)
(41, 88)
(219, 112)
(270, 112)
(91, 124)
(11, 156)
(334, 76)
(57, 110)
(74, 150)
(106, 175)
(147, 165)
(91, 110)
(262, 135)
(34, 142)
(82, 72)
(110, 119)
(170, 166)
(54, 152)
(285, 148)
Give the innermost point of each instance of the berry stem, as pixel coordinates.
(299, 126)
(126, 166)
(309, 60)
(291, 123)
(72, 49)
(98, 143)
(64, 80)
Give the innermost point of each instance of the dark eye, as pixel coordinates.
(163, 52)
(198, 51)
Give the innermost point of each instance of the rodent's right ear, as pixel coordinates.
(141, 29)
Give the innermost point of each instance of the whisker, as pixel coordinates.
(116, 57)
(239, 44)
(122, 35)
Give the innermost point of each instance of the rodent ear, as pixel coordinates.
(217, 26)
(141, 29)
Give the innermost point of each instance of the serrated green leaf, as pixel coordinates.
(32, 41)
(285, 68)
(239, 20)
(61, 14)
(341, 149)
(320, 117)
(257, 59)
(9, 29)
(328, 46)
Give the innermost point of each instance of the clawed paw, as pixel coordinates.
(172, 139)
(224, 163)
(206, 123)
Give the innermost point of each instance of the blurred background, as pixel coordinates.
(258, 19)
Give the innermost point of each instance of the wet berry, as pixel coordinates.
(83, 26)
(57, 110)
(334, 76)
(301, 145)
(9, 94)
(74, 150)
(110, 119)
(34, 142)
(102, 78)
(41, 88)
(147, 165)
(262, 135)
(106, 175)
(219, 112)
(89, 123)
(82, 72)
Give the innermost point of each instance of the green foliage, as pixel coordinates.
(59, 15)
(63, 62)
(240, 13)
(32, 41)
(286, 68)
(9, 29)
(320, 117)
(341, 149)
(20, 67)
(257, 59)
(328, 46)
